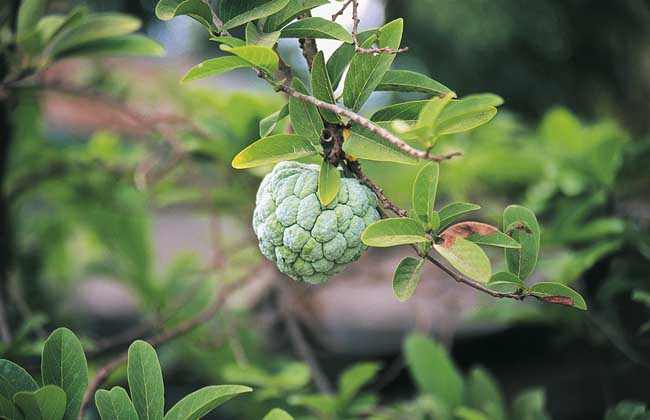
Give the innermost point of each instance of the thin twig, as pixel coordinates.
(355, 36)
(355, 168)
(367, 124)
(341, 10)
(181, 329)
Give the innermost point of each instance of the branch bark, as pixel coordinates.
(367, 124)
(355, 34)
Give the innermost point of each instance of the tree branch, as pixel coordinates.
(367, 124)
(355, 35)
(341, 10)
(308, 45)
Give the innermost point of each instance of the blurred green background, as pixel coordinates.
(124, 223)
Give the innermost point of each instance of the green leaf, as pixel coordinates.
(322, 87)
(63, 363)
(230, 41)
(341, 57)
(392, 232)
(145, 381)
(201, 402)
(354, 378)
(425, 186)
(495, 238)
(214, 66)
(268, 124)
(329, 182)
(93, 28)
(47, 403)
(433, 370)
(530, 405)
(558, 293)
(316, 27)
(238, 12)
(482, 393)
(465, 413)
(305, 119)
(277, 414)
(405, 111)
(467, 258)
(127, 45)
(196, 9)
(364, 144)
(406, 278)
(452, 211)
(292, 10)
(521, 224)
(467, 113)
(256, 37)
(263, 57)
(505, 282)
(29, 13)
(367, 70)
(410, 81)
(115, 404)
(325, 405)
(273, 149)
(13, 379)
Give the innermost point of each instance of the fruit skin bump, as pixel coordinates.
(308, 241)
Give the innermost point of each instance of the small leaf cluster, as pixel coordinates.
(445, 393)
(64, 380)
(41, 39)
(59, 392)
(458, 243)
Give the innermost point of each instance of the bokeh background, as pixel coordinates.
(126, 214)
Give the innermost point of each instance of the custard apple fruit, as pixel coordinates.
(308, 241)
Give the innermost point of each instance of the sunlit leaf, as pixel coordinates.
(293, 9)
(316, 27)
(262, 57)
(273, 149)
(256, 37)
(354, 378)
(466, 257)
(126, 45)
(329, 182)
(277, 414)
(199, 403)
(425, 187)
(392, 232)
(214, 67)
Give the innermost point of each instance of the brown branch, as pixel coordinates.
(179, 330)
(367, 124)
(355, 168)
(308, 45)
(355, 35)
(341, 10)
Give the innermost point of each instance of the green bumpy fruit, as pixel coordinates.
(308, 241)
